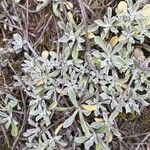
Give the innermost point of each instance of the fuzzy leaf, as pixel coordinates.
(100, 42)
(14, 130)
(72, 96)
(84, 125)
(81, 139)
(68, 122)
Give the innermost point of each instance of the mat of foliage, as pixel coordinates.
(74, 74)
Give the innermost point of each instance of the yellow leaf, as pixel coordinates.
(39, 82)
(114, 40)
(90, 35)
(69, 5)
(109, 136)
(146, 21)
(89, 107)
(70, 18)
(98, 120)
(45, 54)
(58, 128)
(145, 11)
(122, 6)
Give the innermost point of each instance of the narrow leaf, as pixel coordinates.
(72, 97)
(68, 122)
(89, 107)
(100, 42)
(84, 125)
(14, 130)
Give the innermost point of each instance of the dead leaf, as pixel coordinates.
(146, 21)
(39, 82)
(70, 18)
(122, 6)
(58, 128)
(89, 107)
(145, 11)
(138, 53)
(45, 54)
(90, 35)
(109, 136)
(69, 5)
(98, 119)
(114, 40)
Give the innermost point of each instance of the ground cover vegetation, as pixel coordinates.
(74, 74)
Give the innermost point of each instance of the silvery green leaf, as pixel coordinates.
(104, 96)
(79, 29)
(127, 107)
(55, 7)
(68, 122)
(104, 63)
(81, 139)
(109, 12)
(131, 39)
(91, 89)
(147, 34)
(100, 23)
(145, 103)
(84, 124)
(113, 115)
(106, 30)
(17, 1)
(114, 30)
(96, 53)
(75, 53)
(29, 132)
(54, 73)
(135, 107)
(117, 48)
(86, 112)
(53, 54)
(17, 43)
(103, 35)
(8, 123)
(72, 96)
(89, 143)
(18, 39)
(30, 138)
(80, 39)
(92, 28)
(43, 3)
(97, 125)
(100, 42)
(136, 6)
(64, 39)
(53, 105)
(3, 120)
(116, 132)
(2, 114)
(61, 25)
(78, 61)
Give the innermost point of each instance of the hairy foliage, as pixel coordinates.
(91, 92)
